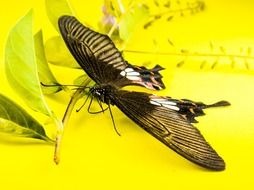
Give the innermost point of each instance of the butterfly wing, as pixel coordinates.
(102, 61)
(163, 118)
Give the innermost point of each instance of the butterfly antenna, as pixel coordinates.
(65, 85)
(50, 85)
(111, 115)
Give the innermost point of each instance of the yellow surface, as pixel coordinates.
(94, 157)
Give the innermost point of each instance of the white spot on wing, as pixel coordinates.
(123, 73)
(128, 70)
(130, 74)
(133, 73)
(133, 77)
(165, 103)
(155, 103)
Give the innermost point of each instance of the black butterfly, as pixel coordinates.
(167, 119)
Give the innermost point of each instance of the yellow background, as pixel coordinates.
(95, 157)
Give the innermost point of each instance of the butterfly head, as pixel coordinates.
(103, 93)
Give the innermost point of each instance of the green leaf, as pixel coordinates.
(80, 80)
(45, 75)
(57, 8)
(58, 54)
(16, 121)
(21, 67)
(131, 20)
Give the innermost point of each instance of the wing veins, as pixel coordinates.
(190, 143)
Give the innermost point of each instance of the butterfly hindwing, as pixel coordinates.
(165, 121)
(187, 108)
(102, 61)
(149, 78)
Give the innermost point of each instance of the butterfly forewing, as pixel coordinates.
(102, 61)
(169, 126)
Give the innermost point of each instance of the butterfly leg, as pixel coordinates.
(111, 115)
(95, 112)
(83, 103)
(102, 109)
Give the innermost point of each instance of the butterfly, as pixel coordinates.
(167, 119)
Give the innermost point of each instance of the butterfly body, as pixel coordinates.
(103, 93)
(167, 119)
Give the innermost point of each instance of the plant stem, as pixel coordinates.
(76, 96)
(193, 54)
(198, 5)
(62, 124)
(119, 19)
(59, 134)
